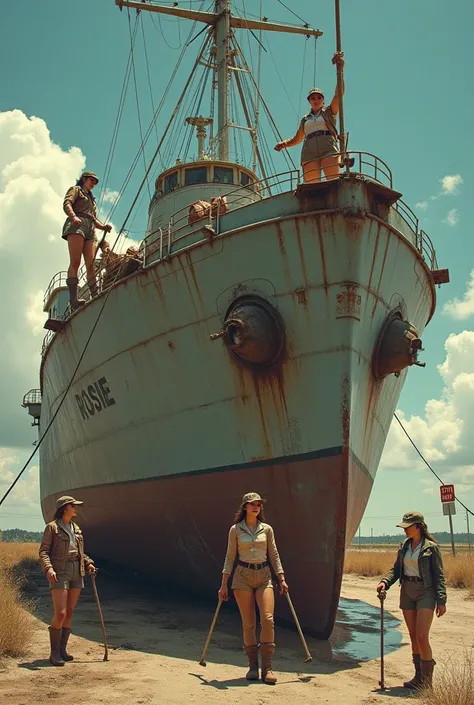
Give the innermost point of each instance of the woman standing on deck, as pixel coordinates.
(254, 543)
(419, 568)
(64, 563)
(79, 231)
(318, 130)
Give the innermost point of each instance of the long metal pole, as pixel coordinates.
(452, 533)
(468, 534)
(340, 93)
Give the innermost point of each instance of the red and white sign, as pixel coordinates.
(447, 493)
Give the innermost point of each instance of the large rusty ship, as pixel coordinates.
(260, 343)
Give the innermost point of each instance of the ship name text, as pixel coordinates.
(95, 398)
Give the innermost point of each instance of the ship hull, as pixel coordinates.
(164, 430)
(174, 529)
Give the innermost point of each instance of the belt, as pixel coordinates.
(72, 559)
(318, 133)
(254, 566)
(412, 578)
(84, 215)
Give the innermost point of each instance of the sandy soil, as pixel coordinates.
(156, 641)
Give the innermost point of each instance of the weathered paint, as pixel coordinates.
(187, 414)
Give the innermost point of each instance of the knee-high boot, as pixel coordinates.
(65, 634)
(415, 682)
(72, 286)
(54, 638)
(267, 651)
(427, 668)
(252, 655)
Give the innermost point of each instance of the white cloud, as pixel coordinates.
(450, 184)
(462, 309)
(423, 205)
(452, 217)
(443, 433)
(109, 196)
(24, 499)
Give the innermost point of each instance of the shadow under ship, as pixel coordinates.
(261, 344)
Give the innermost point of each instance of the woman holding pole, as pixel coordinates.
(64, 563)
(419, 568)
(252, 541)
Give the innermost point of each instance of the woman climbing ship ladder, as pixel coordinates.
(253, 542)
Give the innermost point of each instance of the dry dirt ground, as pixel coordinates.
(156, 642)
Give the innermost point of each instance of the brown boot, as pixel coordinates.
(65, 634)
(72, 286)
(252, 655)
(416, 680)
(267, 651)
(54, 638)
(427, 668)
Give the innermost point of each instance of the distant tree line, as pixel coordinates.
(440, 536)
(20, 536)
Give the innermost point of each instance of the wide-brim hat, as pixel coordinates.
(62, 501)
(252, 497)
(411, 518)
(315, 90)
(90, 174)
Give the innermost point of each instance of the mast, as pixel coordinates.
(222, 21)
(222, 61)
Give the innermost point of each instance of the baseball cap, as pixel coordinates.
(315, 90)
(66, 500)
(411, 518)
(252, 497)
(86, 174)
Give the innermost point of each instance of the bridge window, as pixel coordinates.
(223, 175)
(171, 182)
(195, 175)
(244, 179)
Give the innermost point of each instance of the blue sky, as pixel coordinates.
(409, 100)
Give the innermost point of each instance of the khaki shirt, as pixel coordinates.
(329, 119)
(252, 547)
(80, 201)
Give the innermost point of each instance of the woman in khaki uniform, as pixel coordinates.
(253, 542)
(64, 563)
(79, 231)
(318, 132)
(419, 568)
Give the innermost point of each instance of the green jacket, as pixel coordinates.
(430, 565)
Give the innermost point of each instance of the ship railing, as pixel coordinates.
(370, 166)
(426, 248)
(32, 397)
(57, 282)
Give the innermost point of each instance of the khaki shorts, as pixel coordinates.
(71, 578)
(86, 229)
(415, 596)
(249, 579)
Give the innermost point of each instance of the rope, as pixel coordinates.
(315, 58)
(293, 13)
(303, 70)
(148, 74)
(428, 465)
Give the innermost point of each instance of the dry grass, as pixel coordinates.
(374, 564)
(15, 624)
(453, 682)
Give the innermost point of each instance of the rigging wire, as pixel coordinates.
(113, 141)
(303, 70)
(160, 30)
(427, 463)
(148, 75)
(137, 100)
(315, 59)
(293, 13)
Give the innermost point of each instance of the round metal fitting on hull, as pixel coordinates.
(397, 347)
(253, 332)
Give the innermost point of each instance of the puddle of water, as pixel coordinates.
(357, 631)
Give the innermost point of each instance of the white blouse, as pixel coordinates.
(410, 561)
(314, 123)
